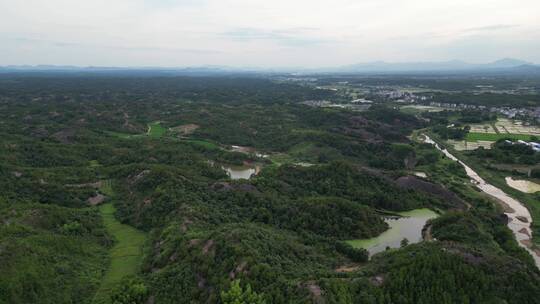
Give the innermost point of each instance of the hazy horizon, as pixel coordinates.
(210, 66)
(242, 33)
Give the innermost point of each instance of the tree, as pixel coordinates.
(237, 295)
(404, 242)
(130, 291)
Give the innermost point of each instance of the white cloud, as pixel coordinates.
(265, 33)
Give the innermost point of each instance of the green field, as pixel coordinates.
(106, 188)
(495, 137)
(122, 135)
(156, 130)
(204, 143)
(126, 254)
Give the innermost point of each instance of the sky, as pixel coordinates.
(269, 33)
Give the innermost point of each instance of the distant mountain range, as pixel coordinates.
(454, 65)
(506, 65)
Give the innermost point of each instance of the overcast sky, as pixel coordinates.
(279, 33)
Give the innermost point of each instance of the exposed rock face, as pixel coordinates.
(65, 136)
(96, 200)
(136, 178)
(316, 292)
(225, 186)
(377, 280)
(209, 245)
(240, 268)
(185, 130)
(412, 182)
(410, 161)
(94, 185)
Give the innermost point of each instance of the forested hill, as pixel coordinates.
(82, 158)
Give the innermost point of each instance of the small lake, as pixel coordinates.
(241, 172)
(408, 226)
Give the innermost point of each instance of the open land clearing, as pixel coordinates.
(412, 109)
(463, 145)
(156, 130)
(185, 130)
(126, 254)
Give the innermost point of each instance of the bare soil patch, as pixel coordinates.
(97, 199)
(185, 130)
(348, 268)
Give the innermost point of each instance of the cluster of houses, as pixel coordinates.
(357, 106)
(402, 96)
(515, 112)
(505, 111)
(534, 145)
(456, 106)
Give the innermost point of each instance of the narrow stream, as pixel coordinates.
(519, 219)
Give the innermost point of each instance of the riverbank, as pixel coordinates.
(498, 179)
(519, 217)
(126, 254)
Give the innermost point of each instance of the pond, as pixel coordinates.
(408, 226)
(242, 171)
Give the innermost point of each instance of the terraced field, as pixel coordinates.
(503, 128)
(470, 145)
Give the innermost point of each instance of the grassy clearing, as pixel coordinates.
(156, 130)
(122, 135)
(204, 143)
(126, 254)
(106, 188)
(281, 158)
(494, 137)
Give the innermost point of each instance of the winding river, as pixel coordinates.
(519, 218)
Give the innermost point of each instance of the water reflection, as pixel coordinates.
(408, 226)
(241, 172)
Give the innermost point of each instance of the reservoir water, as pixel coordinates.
(241, 172)
(408, 226)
